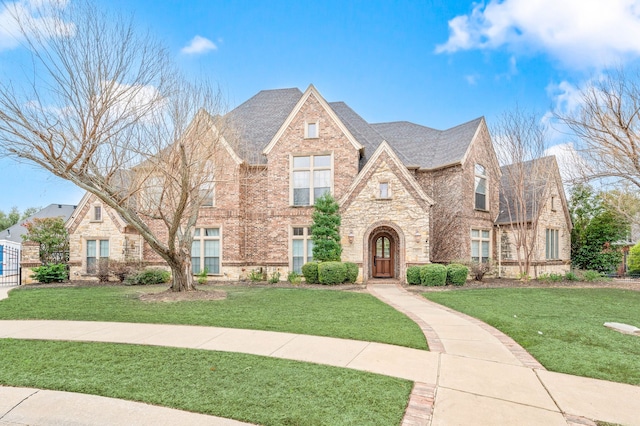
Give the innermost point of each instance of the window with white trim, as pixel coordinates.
(480, 245)
(310, 177)
(97, 213)
(480, 188)
(301, 248)
(205, 251)
(384, 190)
(96, 251)
(552, 244)
(311, 130)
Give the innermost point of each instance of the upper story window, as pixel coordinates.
(97, 213)
(311, 178)
(311, 130)
(384, 191)
(480, 188)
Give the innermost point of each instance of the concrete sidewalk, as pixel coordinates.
(473, 374)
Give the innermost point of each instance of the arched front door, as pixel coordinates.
(382, 256)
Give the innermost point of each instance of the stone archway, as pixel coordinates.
(384, 240)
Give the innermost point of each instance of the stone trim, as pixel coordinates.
(420, 407)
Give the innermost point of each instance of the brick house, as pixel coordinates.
(408, 194)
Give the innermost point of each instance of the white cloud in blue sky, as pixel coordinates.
(31, 12)
(576, 33)
(199, 45)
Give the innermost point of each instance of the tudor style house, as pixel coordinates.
(408, 194)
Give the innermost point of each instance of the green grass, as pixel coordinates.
(573, 338)
(244, 387)
(305, 311)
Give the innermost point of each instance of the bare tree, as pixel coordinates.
(104, 108)
(520, 140)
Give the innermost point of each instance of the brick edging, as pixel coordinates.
(514, 347)
(433, 340)
(420, 407)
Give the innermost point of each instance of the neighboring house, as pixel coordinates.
(547, 222)
(29, 253)
(408, 194)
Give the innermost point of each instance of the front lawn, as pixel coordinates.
(318, 312)
(250, 388)
(561, 328)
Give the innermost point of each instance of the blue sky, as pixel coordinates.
(438, 63)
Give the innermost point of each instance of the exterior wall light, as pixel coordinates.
(351, 237)
(418, 235)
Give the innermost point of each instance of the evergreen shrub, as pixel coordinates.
(352, 272)
(457, 274)
(310, 272)
(413, 274)
(331, 273)
(433, 275)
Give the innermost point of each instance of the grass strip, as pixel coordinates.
(340, 314)
(562, 328)
(243, 387)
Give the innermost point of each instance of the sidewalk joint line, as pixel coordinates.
(18, 404)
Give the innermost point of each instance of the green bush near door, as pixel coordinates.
(457, 274)
(433, 275)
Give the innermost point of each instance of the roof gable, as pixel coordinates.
(14, 233)
(369, 168)
(311, 91)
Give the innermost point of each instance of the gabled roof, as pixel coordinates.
(429, 148)
(547, 173)
(254, 123)
(15, 232)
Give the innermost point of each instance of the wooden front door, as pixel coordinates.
(383, 257)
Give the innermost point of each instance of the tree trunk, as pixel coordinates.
(182, 276)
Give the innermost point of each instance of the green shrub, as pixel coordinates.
(433, 275)
(570, 276)
(352, 272)
(310, 272)
(592, 276)
(413, 274)
(555, 277)
(457, 274)
(634, 259)
(274, 278)
(52, 272)
(148, 277)
(294, 278)
(122, 269)
(544, 278)
(256, 275)
(331, 273)
(202, 276)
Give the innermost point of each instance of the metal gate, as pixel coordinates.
(9, 265)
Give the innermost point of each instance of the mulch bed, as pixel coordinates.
(507, 283)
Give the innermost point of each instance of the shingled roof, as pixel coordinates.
(15, 232)
(537, 180)
(253, 124)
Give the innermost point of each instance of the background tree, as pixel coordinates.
(607, 124)
(52, 236)
(104, 107)
(325, 229)
(7, 220)
(520, 140)
(597, 228)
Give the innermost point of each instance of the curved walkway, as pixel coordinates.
(473, 374)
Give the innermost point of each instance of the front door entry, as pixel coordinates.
(383, 257)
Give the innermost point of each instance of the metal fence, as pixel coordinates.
(9, 265)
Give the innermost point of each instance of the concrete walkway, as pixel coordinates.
(472, 375)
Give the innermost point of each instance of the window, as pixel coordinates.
(208, 187)
(301, 248)
(384, 190)
(552, 244)
(97, 213)
(153, 193)
(481, 188)
(311, 130)
(311, 177)
(96, 250)
(553, 204)
(480, 245)
(205, 251)
(505, 246)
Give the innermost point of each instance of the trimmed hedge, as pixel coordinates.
(51, 272)
(433, 275)
(310, 272)
(413, 274)
(149, 277)
(332, 273)
(352, 272)
(457, 274)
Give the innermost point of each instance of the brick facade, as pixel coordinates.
(428, 214)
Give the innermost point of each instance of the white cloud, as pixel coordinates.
(577, 33)
(33, 13)
(472, 79)
(199, 45)
(570, 163)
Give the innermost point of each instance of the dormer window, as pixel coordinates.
(480, 188)
(311, 130)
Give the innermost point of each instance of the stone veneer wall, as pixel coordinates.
(365, 212)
